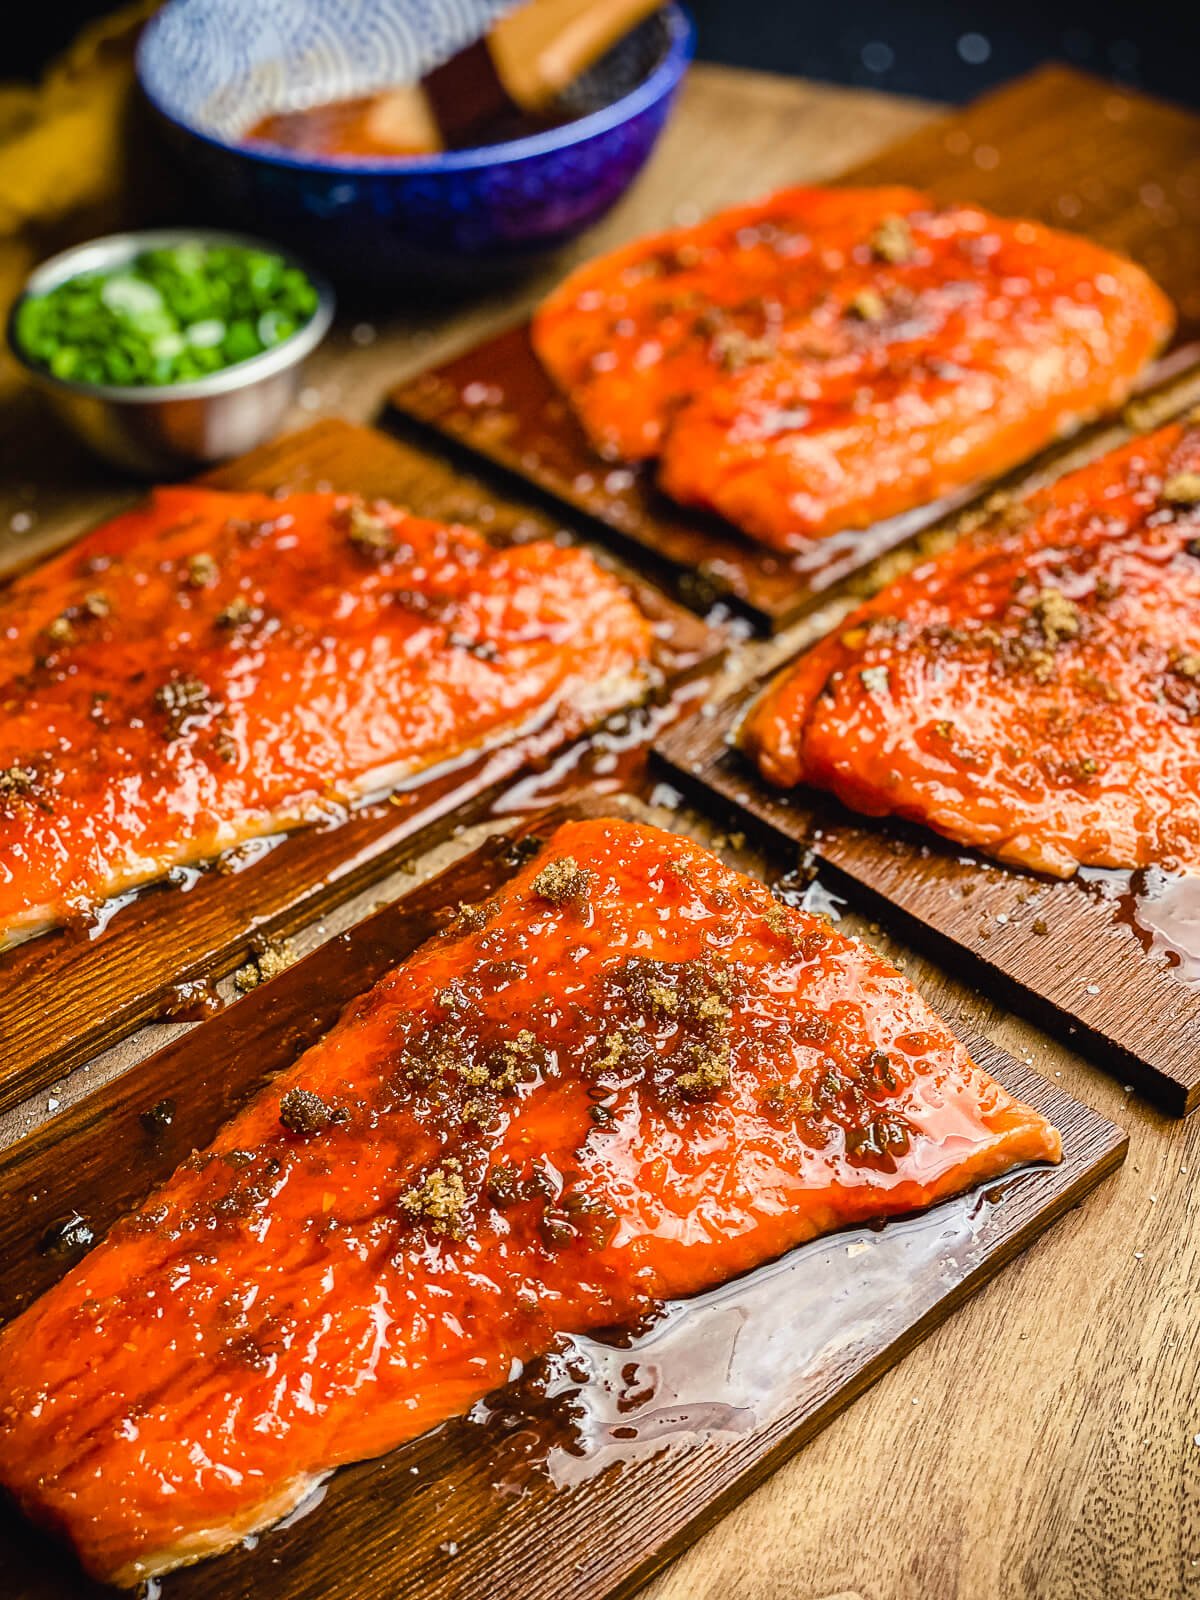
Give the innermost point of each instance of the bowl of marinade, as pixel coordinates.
(282, 111)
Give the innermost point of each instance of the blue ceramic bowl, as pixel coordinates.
(212, 68)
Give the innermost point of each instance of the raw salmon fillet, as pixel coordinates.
(211, 667)
(1033, 692)
(825, 359)
(630, 1075)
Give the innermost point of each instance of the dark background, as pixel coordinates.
(943, 50)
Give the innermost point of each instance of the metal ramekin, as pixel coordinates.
(174, 428)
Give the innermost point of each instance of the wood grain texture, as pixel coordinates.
(1058, 145)
(64, 996)
(1075, 152)
(440, 1518)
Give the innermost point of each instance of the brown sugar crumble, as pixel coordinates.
(369, 535)
(503, 1184)
(780, 923)
(202, 571)
(1182, 489)
(470, 916)
(439, 1200)
(181, 698)
(237, 613)
(732, 350)
(614, 1050)
(301, 1111)
(786, 1098)
(562, 881)
(709, 1053)
(268, 958)
(61, 630)
(867, 306)
(17, 780)
(1056, 616)
(892, 241)
(519, 1059)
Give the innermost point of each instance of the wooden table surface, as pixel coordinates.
(1045, 1442)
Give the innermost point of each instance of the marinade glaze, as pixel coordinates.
(628, 1076)
(1035, 690)
(824, 359)
(213, 666)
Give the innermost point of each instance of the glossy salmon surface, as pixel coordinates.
(211, 667)
(1034, 691)
(629, 1075)
(825, 359)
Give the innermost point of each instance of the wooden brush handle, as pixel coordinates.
(543, 45)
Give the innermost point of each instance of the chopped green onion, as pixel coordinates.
(169, 316)
(203, 335)
(131, 297)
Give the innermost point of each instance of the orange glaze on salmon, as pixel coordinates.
(825, 359)
(1034, 691)
(630, 1075)
(211, 667)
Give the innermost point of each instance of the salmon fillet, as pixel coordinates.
(211, 667)
(824, 359)
(1034, 692)
(630, 1075)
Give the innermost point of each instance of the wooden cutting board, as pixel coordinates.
(66, 995)
(600, 1464)
(1058, 145)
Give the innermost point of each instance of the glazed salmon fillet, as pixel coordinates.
(212, 667)
(1034, 691)
(825, 359)
(630, 1075)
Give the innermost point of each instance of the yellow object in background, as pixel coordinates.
(65, 157)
